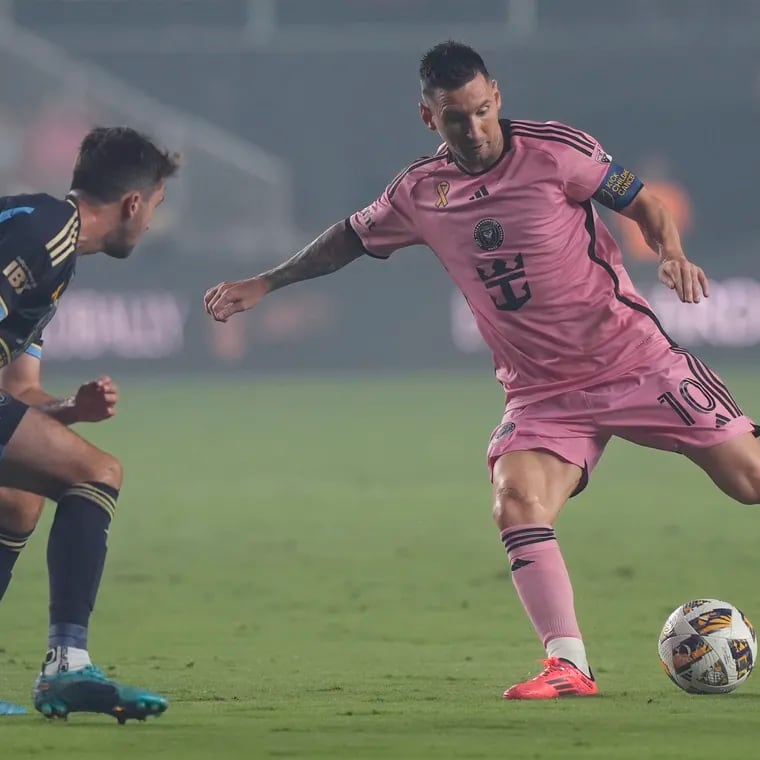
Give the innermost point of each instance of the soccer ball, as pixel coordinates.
(708, 647)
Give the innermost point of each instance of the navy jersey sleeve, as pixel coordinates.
(38, 236)
(23, 258)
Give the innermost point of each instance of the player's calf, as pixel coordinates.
(19, 513)
(43, 456)
(530, 488)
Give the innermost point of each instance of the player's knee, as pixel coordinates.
(516, 505)
(102, 468)
(111, 471)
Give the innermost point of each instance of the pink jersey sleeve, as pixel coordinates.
(387, 224)
(582, 163)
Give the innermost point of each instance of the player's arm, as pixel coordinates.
(332, 250)
(661, 234)
(384, 226)
(93, 401)
(587, 171)
(22, 379)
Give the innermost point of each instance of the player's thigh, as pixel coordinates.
(20, 510)
(45, 457)
(733, 465)
(539, 456)
(675, 403)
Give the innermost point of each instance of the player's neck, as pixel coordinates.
(92, 226)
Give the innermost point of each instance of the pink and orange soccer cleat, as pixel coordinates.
(558, 679)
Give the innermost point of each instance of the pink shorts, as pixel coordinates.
(674, 404)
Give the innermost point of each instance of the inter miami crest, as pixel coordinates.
(489, 234)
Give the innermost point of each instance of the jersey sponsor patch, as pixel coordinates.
(619, 187)
(19, 275)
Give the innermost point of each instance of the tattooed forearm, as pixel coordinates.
(332, 250)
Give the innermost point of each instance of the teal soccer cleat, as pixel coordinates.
(89, 690)
(8, 708)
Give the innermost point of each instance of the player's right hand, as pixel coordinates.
(228, 298)
(96, 400)
(688, 280)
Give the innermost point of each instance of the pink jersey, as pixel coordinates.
(542, 274)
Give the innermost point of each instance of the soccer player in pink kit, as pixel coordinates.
(506, 205)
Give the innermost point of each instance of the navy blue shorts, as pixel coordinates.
(11, 412)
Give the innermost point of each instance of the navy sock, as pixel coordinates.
(11, 544)
(76, 555)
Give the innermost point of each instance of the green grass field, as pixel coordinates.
(309, 570)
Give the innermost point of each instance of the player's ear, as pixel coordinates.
(130, 204)
(427, 116)
(496, 93)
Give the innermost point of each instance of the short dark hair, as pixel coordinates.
(113, 161)
(449, 66)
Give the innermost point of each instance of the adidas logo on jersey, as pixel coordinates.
(481, 192)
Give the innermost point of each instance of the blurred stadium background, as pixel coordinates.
(293, 113)
(306, 544)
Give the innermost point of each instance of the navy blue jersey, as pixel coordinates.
(38, 238)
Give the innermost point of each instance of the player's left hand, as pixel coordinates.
(96, 400)
(687, 279)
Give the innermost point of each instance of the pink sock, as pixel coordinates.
(541, 580)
